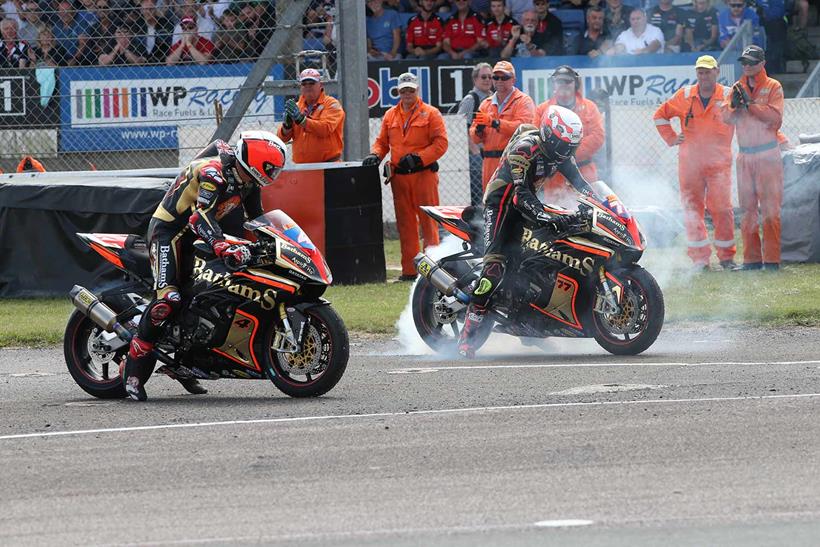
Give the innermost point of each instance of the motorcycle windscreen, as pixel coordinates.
(609, 200)
(278, 223)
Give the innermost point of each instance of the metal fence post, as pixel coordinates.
(352, 76)
(261, 69)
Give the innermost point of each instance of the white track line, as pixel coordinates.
(397, 414)
(419, 370)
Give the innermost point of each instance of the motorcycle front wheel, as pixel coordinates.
(437, 324)
(320, 364)
(639, 322)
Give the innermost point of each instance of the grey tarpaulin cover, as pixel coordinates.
(800, 217)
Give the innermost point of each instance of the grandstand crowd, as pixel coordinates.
(130, 32)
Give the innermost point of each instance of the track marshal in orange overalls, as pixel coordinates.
(314, 123)
(755, 106)
(414, 134)
(498, 117)
(704, 162)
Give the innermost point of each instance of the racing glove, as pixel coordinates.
(234, 256)
(410, 163)
(481, 121)
(371, 159)
(562, 225)
(292, 110)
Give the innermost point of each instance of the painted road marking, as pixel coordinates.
(426, 370)
(562, 523)
(478, 409)
(605, 388)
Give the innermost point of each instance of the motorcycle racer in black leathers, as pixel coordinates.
(221, 179)
(533, 155)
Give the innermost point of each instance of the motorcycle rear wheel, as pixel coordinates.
(99, 376)
(319, 366)
(440, 333)
(639, 323)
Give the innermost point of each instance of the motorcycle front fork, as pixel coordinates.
(606, 302)
(288, 336)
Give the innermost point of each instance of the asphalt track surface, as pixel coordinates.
(709, 438)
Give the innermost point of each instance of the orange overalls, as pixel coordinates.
(321, 138)
(759, 166)
(422, 132)
(704, 169)
(516, 110)
(591, 142)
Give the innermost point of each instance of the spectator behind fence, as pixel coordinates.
(205, 26)
(523, 42)
(124, 50)
(230, 43)
(14, 53)
(516, 8)
(596, 40)
(414, 134)
(315, 123)
(316, 23)
(772, 14)
(155, 31)
(383, 32)
(30, 23)
(670, 20)
(498, 30)
(256, 35)
(101, 35)
(425, 31)
(701, 32)
(549, 29)
(498, 117)
(463, 33)
(48, 53)
(191, 48)
(730, 19)
(616, 17)
(482, 87)
(755, 106)
(640, 38)
(566, 92)
(704, 163)
(71, 33)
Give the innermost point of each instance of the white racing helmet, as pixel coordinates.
(561, 132)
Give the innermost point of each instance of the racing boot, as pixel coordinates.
(137, 368)
(193, 386)
(466, 340)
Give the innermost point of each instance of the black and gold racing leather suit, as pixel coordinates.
(206, 197)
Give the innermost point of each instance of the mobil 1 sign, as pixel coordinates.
(626, 86)
(12, 95)
(454, 82)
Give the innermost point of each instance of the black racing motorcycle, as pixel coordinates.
(265, 320)
(585, 285)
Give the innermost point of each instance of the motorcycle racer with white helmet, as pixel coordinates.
(532, 155)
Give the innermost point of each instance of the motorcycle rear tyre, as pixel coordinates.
(75, 349)
(430, 330)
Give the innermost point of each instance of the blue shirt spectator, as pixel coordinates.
(383, 26)
(729, 20)
(69, 31)
(772, 9)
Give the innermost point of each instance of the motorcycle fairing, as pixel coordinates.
(294, 249)
(109, 246)
(238, 346)
(450, 217)
(562, 306)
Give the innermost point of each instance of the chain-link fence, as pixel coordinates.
(124, 84)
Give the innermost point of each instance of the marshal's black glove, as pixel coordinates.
(371, 159)
(739, 96)
(410, 163)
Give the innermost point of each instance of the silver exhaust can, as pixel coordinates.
(103, 316)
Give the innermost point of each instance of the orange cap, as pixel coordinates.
(504, 66)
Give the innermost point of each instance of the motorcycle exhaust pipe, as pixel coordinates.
(440, 278)
(91, 306)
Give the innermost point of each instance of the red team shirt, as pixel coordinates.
(463, 35)
(424, 34)
(497, 34)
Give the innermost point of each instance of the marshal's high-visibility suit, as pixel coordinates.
(704, 168)
(591, 142)
(420, 131)
(518, 109)
(759, 166)
(321, 138)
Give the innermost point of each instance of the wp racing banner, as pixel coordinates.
(140, 108)
(630, 80)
